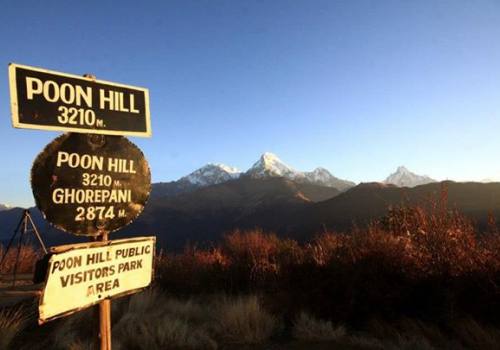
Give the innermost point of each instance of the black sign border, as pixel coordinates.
(15, 110)
(97, 233)
(82, 246)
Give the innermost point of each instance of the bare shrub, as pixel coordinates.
(424, 261)
(327, 247)
(193, 271)
(440, 239)
(27, 258)
(253, 250)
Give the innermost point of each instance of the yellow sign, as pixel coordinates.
(81, 275)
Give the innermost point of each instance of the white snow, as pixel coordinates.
(212, 174)
(268, 165)
(402, 177)
(5, 207)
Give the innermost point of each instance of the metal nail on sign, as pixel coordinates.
(88, 184)
(49, 100)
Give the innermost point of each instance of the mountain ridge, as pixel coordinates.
(275, 204)
(267, 166)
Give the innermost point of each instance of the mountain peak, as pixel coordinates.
(269, 157)
(403, 177)
(319, 173)
(212, 174)
(322, 176)
(320, 170)
(5, 207)
(223, 167)
(270, 165)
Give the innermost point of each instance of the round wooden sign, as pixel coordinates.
(89, 184)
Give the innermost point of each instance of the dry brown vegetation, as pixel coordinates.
(12, 322)
(426, 263)
(422, 277)
(154, 320)
(149, 320)
(28, 256)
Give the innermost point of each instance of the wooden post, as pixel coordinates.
(105, 315)
(105, 305)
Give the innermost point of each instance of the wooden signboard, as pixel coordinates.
(82, 275)
(48, 100)
(90, 184)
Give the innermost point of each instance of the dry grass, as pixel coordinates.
(12, 323)
(154, 320)
(417, 263)
(243, 320)
(309, 328)
(474, 335)
(76, 332)
(465, 334)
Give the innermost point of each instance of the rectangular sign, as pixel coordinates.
(82, 275)
(48, 100)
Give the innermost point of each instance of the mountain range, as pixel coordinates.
(215, 199)
(291, 209)
(268, 166)
(275, 204)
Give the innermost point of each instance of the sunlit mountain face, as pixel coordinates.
(402, 177)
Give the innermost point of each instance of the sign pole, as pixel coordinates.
(105, 314)
(90, 181)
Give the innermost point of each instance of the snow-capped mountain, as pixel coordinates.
(211, 174)
(321, 176)
(5, 207)
(402, 177)
(269, 165)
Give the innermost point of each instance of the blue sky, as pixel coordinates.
(358, 87)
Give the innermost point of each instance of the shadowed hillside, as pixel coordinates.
(420, 277)
(291, 209)
(369, 201)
